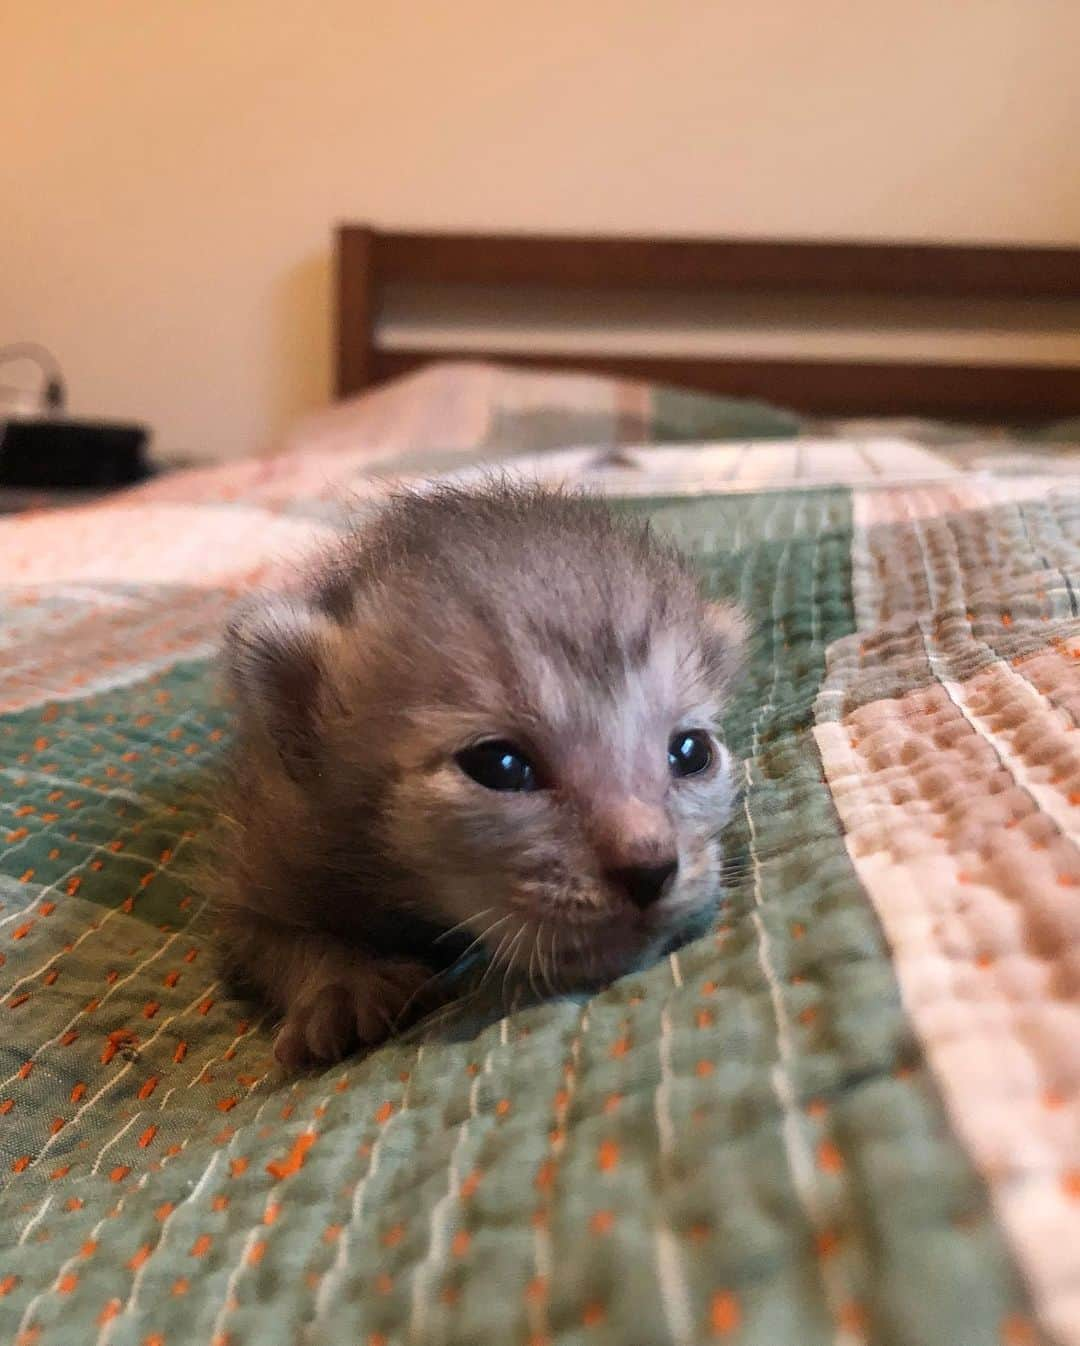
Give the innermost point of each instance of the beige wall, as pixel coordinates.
(170, 171)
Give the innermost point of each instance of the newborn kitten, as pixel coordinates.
(489, 712)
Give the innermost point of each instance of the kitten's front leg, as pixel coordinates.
(333, 998)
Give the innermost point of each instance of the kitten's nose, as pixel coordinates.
(643, 884)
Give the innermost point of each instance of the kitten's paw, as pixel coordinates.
(340, 1015)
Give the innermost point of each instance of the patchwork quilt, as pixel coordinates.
(848, 1113)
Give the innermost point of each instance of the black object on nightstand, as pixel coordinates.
(55, 453)
(48, 451)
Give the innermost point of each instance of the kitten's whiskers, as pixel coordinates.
(480, 938)
(446, 973)
(556, 984)
(511, 958)
(494, 960)
(476, 916)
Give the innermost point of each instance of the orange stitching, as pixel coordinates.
(725, 1315)
(607, 1156)
(294, 1160)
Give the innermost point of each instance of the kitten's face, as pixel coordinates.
(569, 823)
(499, 712)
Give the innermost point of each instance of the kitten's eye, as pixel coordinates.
(689, 753)
(498, 764)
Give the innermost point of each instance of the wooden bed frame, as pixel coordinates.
(369, 260)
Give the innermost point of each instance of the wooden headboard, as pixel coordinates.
(370, 261)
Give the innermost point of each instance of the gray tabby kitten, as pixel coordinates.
(485, 720)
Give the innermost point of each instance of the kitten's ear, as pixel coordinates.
(277, 650)
(725, 644)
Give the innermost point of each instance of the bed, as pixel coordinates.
(848, 1112)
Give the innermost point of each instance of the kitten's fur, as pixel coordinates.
(356, 838)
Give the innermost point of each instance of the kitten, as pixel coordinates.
(488, 713)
